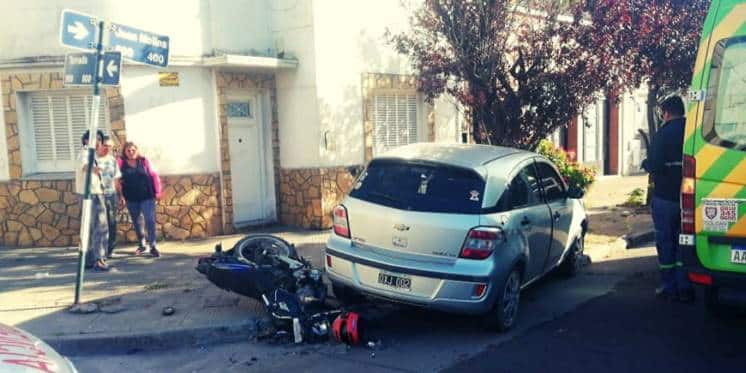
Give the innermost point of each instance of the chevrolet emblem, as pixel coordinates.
(401, 227)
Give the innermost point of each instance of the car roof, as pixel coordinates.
(463, 155)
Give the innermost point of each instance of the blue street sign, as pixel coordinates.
(80, 67)
(139, 46)
(112, 68)
(78, 30)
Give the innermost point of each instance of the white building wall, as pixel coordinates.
(349, 38)
(31, 27)
(449, 120)
(242, 26)
(292, 33)
(632, 117)
(592, 139)
(173, 126)
(320, 103)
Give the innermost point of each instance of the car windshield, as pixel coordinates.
(417, 186)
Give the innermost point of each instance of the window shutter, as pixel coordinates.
(42, 125)
(60, 129)
(394, 121)
(59, 119)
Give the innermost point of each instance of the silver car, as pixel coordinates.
(460, 228)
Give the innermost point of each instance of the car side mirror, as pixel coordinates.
(575, 192)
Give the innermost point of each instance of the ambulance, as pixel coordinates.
(713, 191)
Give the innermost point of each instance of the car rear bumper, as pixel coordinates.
(720, 279)
(443, 291)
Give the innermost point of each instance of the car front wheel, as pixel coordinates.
(574, 259)
(505, 311)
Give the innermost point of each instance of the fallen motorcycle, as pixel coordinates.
(267, 268)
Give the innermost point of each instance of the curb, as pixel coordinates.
(635, 239)
(92, 344)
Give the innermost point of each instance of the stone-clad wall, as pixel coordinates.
(189, 208)
(38, 213)
(308, 196)
(47, 213)
(41, 212)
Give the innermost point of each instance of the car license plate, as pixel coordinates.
(395, 281)
(738, 254)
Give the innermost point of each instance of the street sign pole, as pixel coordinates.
(85, 224)
(78, 30)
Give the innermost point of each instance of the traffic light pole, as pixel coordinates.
(85, 221)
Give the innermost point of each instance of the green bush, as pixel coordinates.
(575, 175)
(636, 197)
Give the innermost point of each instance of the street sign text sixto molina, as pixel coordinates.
(138, 45)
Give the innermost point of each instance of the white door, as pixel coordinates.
(251, 179)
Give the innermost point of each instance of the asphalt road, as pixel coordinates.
(411, 340)
(624, 331)
(603, 320)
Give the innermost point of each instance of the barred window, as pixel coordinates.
(54, 124)
(394, 121)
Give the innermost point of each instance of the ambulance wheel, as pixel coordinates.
(712, 301)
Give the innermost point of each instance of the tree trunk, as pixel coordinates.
(651, 102)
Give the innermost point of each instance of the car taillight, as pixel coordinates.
(480, 242)
(479, 290)
(700, 278)
(687, 194)
(341, 224)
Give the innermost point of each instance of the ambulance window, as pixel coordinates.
(725, 106)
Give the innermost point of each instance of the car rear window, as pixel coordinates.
(725, 107)
(417, 186)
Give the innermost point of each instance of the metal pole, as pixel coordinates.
(85, 221)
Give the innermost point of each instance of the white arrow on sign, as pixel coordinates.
(111, 68)
(78, 29)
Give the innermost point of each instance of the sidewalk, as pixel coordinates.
(609, 220)
(39, 286)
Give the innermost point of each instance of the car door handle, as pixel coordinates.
(556, 215)
(525, 221)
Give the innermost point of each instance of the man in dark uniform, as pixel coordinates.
(664, 163)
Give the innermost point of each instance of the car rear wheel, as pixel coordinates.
(574, 259)
(505, 311)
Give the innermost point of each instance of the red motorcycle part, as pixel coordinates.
(346, 328)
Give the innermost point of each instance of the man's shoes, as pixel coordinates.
(664, 294)
(686, 296)
(154, 252)
(140, 250)
(101, 266)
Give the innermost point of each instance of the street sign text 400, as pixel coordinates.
(156, 58)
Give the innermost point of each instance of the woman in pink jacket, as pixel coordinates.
(141, 188)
